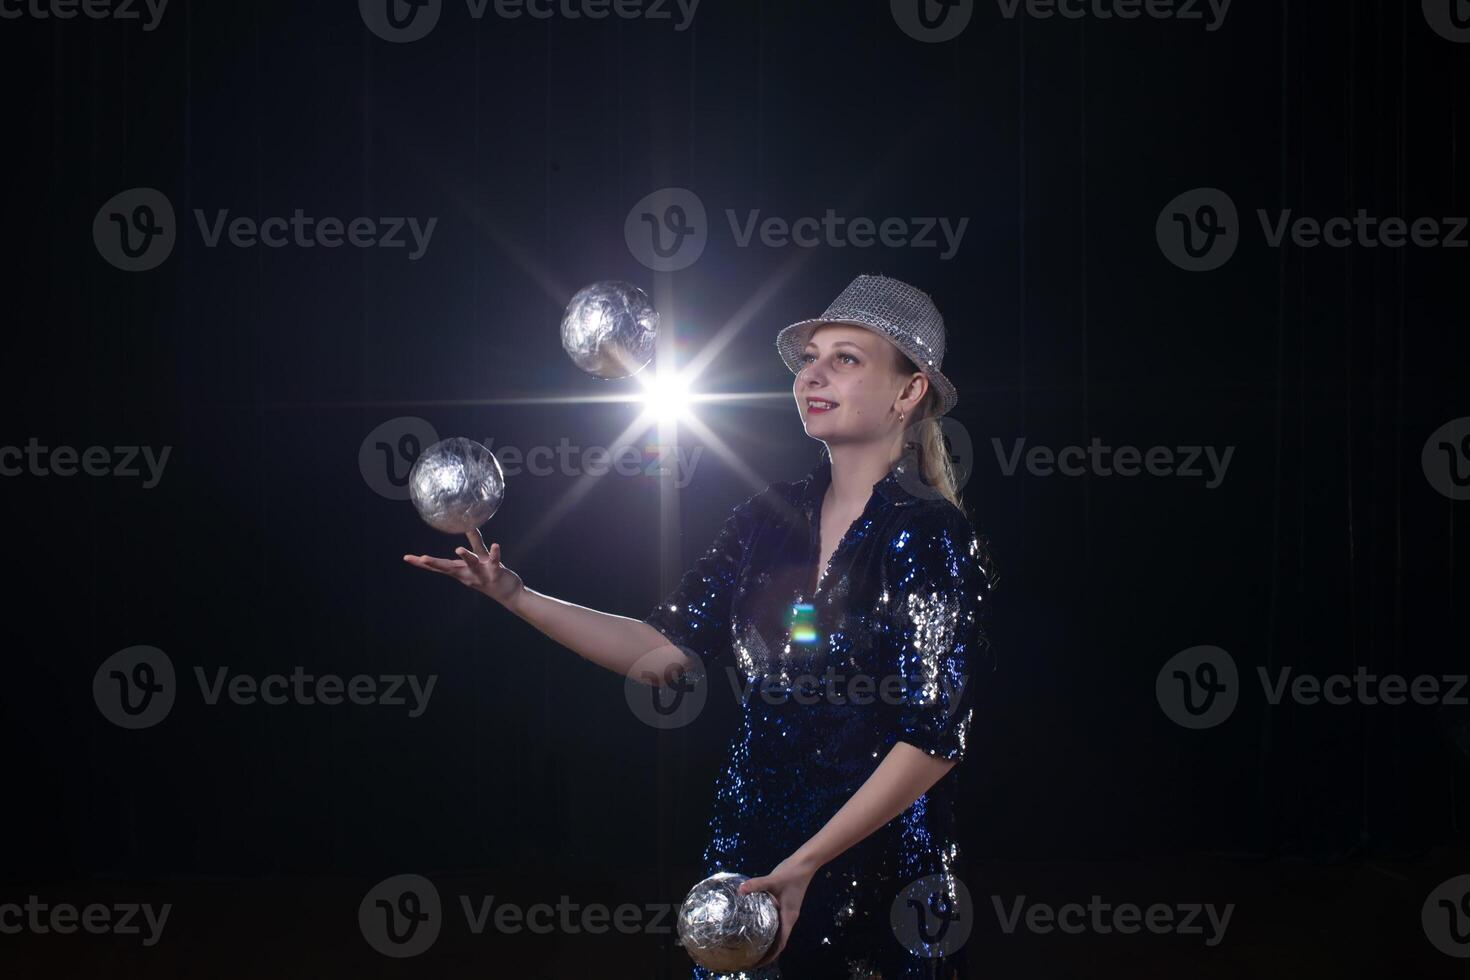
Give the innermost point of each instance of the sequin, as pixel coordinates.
(897, 614)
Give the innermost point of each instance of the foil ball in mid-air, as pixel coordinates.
(456, 484)
(724, 930)
(609, 329)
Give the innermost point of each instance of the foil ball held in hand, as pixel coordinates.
(456, 485)
(724, 930)
(609, 329)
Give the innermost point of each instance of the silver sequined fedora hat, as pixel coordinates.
(894, 310)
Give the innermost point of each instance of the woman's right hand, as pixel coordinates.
(479, 569)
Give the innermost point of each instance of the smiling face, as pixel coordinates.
(852, 385)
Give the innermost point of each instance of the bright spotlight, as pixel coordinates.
(666, 398)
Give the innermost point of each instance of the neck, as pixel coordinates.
(855, 469)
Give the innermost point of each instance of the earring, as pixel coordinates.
(900, 416)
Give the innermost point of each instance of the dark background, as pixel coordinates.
(263, 547)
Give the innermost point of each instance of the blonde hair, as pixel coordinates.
(923, 434)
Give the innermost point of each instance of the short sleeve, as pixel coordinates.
(939, 588)
(696, 614)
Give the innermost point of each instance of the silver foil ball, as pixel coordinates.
(609, 329)
(724, 930)
(456, 485)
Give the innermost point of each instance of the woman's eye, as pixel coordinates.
(849, 357)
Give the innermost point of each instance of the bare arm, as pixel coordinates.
(626, 646)
(619, 643)
(905, 774)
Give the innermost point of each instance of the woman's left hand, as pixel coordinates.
(787, 884)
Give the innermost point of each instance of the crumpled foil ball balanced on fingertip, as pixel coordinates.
(456, 485)
(723, 930)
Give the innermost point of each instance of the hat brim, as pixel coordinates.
(791, 343)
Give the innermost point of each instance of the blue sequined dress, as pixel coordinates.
(899, 604)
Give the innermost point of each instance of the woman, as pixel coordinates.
(849, 603)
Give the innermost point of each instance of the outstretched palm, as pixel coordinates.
(477, 568)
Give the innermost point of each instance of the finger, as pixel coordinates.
(443, 565)
(470, 559)
(477, 543)
(752, 885)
